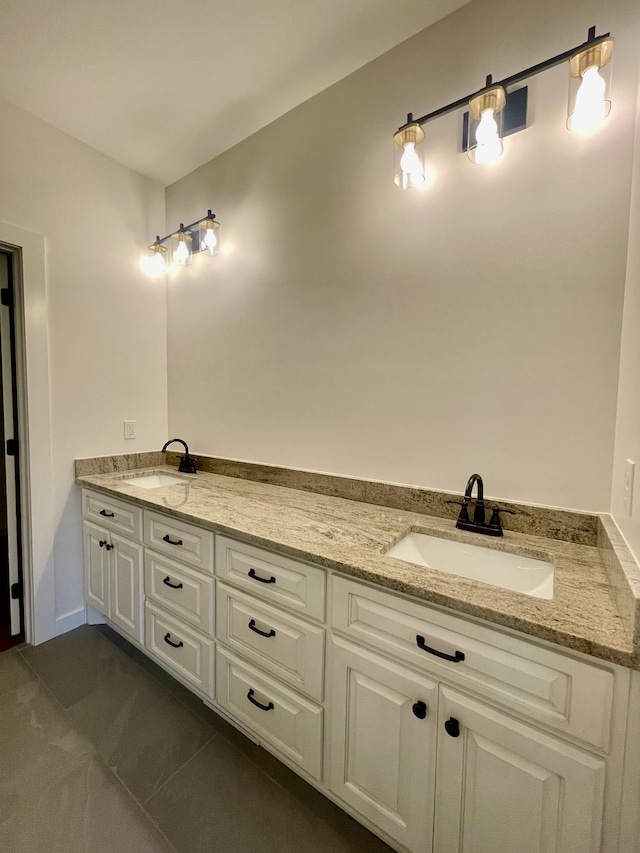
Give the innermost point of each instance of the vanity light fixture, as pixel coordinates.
(487, 108)
(494, 105)
(177, 249)
(182, 247)
(409, 165)
(156, 264)
(589, 90)
(209, 235)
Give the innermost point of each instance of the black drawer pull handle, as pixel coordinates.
(252, 626)
(255, 702)
(175, 645)
(167, 580)
(452, 727)
(420, 710)
(252, 574)
(459, 656)
(171, 541)
(102, 543)
(107, 514)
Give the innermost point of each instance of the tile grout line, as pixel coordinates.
(226, 740)
(188, 761)
(142, 804)
(95, 754)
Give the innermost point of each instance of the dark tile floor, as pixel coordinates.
(101, 750)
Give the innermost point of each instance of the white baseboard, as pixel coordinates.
(69, 621)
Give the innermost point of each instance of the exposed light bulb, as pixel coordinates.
(209, 241)
(154, 265)
(181, 254)
(591, 107)
(489, 144)
(158, 263)
(411, 166)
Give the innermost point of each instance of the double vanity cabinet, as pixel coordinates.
(440, 733)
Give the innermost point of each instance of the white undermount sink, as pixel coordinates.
(153, 481)
(498, 568)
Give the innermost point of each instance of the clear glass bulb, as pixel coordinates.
(489, 144)
(411, 165)
(181, 254)
(590, 107)
(209, 241)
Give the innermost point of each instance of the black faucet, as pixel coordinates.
(479, 524)
(187, 462)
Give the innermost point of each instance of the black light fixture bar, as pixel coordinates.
(184, 227)
(508, 81)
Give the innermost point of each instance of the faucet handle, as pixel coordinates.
(494, 521)
(464, 511)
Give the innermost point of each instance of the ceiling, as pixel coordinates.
(164, 86)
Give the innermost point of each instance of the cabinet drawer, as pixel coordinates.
(184, 592)
(191, 654)
(570, 695)
(289, 648)
(179, 540)
(291, 724)
(113, 514)
(280, 580)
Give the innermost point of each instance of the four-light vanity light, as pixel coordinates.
(495, 112)
(202, 236)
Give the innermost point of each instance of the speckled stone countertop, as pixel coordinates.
(352, 537)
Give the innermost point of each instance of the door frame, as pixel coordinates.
(34, 429)
(11, 461)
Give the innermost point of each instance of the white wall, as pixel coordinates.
(627, 444)
(106, 321)
(418, 337)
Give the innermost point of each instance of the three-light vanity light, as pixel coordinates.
(177, 250)
(495, 112)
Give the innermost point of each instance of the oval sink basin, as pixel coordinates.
(153, 481)
(509, 571)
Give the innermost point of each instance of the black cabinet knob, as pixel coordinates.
(452, 727)
(420, 710)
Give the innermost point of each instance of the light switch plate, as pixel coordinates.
(629, 473)
(129, 429)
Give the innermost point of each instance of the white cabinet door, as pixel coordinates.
(503, 786)
(383, 733)
(96, 567)
(126, 584)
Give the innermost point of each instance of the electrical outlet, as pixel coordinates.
(627, 498)
(129, 429)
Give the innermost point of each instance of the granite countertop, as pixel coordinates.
(351, 537)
